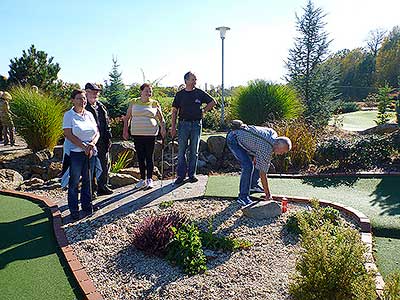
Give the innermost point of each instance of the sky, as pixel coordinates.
(166, 39)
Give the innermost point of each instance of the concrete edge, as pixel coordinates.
(341, 174)
(78, 271)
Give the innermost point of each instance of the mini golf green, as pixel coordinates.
(30, 267)
(378, 198)
(360, 120)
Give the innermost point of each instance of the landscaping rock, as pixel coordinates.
(203, 146)
(54, 169)
(216, 145)
(10, 179)
(119, 180)
(381, 129)
(201, 163)
(58, 152)
(262, 210)
(118, 148)
(133, 171)
(33, 181)
(41, 156)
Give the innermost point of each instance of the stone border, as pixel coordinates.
(78, 271)
(329, 175)
(366, 235)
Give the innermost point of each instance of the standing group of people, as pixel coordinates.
(88, 140)
(6, 121)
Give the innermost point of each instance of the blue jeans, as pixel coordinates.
(249, 176)
(79, 167)
(188, 138)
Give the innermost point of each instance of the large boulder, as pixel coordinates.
(262, 210)
(381, 129)
(38, 158)
(58, 152)
(10, 179)
(119, 180)
(118, 148)
(216, 145)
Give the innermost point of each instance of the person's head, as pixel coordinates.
(78, 98)
(6, 96)
(190, 80)
(146, 91)
(282, 145)
(92, 92)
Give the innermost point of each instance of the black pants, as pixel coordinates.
(144, 146)
(104, 156)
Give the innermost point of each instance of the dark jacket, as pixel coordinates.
(103, 123)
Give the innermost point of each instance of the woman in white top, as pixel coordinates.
(80, 129)
(142, 122)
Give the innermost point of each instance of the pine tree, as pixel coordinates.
(316, 82)
(115, 93)
(33, 68)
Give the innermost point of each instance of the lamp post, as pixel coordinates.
(222, 31)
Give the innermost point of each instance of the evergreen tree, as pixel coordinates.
(33, 68)
(114, 92)
(316, 82)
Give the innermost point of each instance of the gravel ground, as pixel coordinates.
(119, 271)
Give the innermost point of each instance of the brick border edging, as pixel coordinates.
(366, 235)
(78, 271)
(341, 174)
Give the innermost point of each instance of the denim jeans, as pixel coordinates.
(188, 139)
(78, 168)
(249, 176)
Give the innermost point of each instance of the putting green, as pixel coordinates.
(30, 267)
(378, 198)
(360, 120)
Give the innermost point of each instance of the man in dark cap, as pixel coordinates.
(103, 145)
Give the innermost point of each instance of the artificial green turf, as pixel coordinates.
(360, 120)
(378, 198)
(387, 255)
(30, 267)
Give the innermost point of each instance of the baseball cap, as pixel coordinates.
(92, 86)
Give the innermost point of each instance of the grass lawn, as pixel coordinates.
(378, 198)
(360, 120)
(29, 265)
(206, 135)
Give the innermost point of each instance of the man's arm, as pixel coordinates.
(209, 106)
(127, 122)
(264, 182)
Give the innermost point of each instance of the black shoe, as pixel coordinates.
(179, 181)
(193, 179)
(105, 191)
(94, 195)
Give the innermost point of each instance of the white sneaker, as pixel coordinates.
(256, 189)
(140, 185)
(149, 183)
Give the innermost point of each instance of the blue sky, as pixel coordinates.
(171, 37)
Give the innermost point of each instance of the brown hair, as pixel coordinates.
(144, 85)
(77, 92)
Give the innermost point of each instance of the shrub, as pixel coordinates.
(214, 242)
(122, 161)
(332, 266)
(262, 101)
(37, 118)
(166, 204)
(154, 233)
(392, 287)
(313, 219)
(347, 107)
(383, 104)
(212, 119)
(358, 153)
(117, 126)
(304, 144)
(166, 108)
(185, 249)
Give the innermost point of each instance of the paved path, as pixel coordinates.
(127, 199)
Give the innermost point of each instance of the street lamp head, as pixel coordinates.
(222, 31)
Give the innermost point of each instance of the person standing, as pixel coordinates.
(253, 147)
(6, 119)
(103, 145)
(187, 105)
(142, 121)
(80, 129)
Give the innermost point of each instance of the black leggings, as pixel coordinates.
(144, 146)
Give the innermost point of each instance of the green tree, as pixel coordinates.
(114, 92)
(315, 82)
(33, 68)
(383, 104)
(388, 59)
